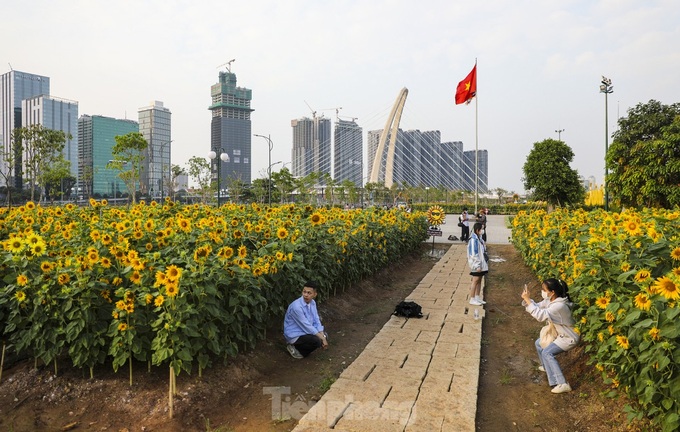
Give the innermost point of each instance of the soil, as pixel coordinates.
(513, 394)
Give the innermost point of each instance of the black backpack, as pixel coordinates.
(408, 309)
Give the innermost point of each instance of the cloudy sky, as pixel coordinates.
(539, 66)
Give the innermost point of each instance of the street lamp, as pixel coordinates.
(606, 87)
(269, 169)
(224, 157)
(427, 195)
(559, 134)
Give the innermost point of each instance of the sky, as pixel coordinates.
(539, 66)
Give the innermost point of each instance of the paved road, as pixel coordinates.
(416, 375)
(497, 232)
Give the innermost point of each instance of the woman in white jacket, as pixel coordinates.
(478, 265)
(556, 307)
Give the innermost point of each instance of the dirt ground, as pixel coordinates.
(513, 394)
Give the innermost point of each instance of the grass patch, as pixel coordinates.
(506, 377)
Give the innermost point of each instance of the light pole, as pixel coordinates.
(559, 134)
(606, 87)
(224, 157)
(269, 169)
(427, 195)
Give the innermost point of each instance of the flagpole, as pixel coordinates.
(476, 141)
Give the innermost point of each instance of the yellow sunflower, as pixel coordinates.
(602, 302)
(642, 301)
(675, 253)
(242, 251)
(667, 288)
(22, 280)
(281, 233)
(225, 253)
(63, 279)
(171, 289)
(655, 333)
(20, 296)
(122, 327)
(316, 218)
(173, 273)
(136, 277)
(623, 342)
(159, 301)
(642, 275)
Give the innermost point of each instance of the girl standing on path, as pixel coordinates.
(478, 265)
(556, 307)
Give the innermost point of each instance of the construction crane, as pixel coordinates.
(354, 119)
(311, 109)
(337, 112)
(227, 64)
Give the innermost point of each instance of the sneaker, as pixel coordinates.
(475, 302)
(479, 299)
(294, 352)
(561, 388)
(541, 368)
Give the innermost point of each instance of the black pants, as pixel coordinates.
(307, 343)
(465, 233)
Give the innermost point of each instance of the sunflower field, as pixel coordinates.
(176, 284)
(623, 271)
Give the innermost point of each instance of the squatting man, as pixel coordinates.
(302, 326)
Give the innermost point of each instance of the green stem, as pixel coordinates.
(2, 360)
(130, 362)
(91, 372)
(55, 366)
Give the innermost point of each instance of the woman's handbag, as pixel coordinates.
(548, 334)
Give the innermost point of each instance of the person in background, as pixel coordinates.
(465, 229)
(302, 326)
(478, 265)
(556, 306)
(481, 218)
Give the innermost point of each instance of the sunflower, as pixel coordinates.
(202, 253)
(22, 280)
(136, 277)
(92, 255)
(173, 273)
(642, 275)
(225, 253)
(676, 271)
(625, 267)
(63, 279)
(116, 281)
(609, 317)
(281, 233)
(171, 289)
(675, 253)
(280, 256)
(137, 264)
(654, 333)
(46, 266)
(602, 302)
(159, 301)
(642, 301)
(120, 305)
(242, 251)
(122, 327)
(623, 342)
(15, 245)
(316, 219)
(667, 288)
(20, 296)
(106, 239)
(184, 225)
(149, 225)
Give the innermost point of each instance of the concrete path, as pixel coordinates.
(417, 374)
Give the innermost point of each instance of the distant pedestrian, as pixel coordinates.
(478, 265)
(481, 218)
(555, 307)
(465, 229)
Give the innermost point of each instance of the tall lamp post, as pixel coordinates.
(269, 169)
(224, 157)
(606, 87)
(427, 195)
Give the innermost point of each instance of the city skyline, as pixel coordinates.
(539, 67)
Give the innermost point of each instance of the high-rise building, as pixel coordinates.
(15, 86)
(311, 146)
(96, 138)
(421, 159)
(482, 173)
(231, 129)
(348, 155)
(56, 114)
(155, 125)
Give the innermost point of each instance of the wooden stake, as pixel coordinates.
(2, 360)
(170, 401)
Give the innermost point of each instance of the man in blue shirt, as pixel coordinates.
(302, 327)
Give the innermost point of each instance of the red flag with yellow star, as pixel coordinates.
(467, 89)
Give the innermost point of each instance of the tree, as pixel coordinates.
(175, 171)
(58, 180)
(40, 149)
(284, 182)
(548, 174)
(644, 158)
(199, 170)
(260, 190)
(127, 159)
(500, 193)
(236, 187)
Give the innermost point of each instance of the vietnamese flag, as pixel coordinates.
(467, 89)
